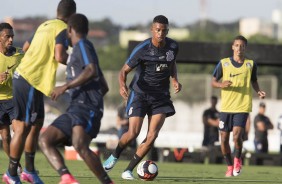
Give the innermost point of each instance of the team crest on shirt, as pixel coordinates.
(169, 55)
(221, 124)
(249, 65)
(225, 64)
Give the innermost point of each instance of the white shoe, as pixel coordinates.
(127, 175)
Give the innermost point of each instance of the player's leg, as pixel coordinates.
(135, 125)
(81, 142)
(6, 138)
(155, 124)
(226, 152)
(58, 132)
(239, 123)
(136, 110)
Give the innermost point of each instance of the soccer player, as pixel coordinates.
(211, 121)
(262, 124)
(234, 76)
(154, 60)
(34, 77)
(10, 57)
(81, 123)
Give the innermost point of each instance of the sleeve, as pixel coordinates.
(254, 73)
(62, 38)
(136, 55)
(88, 54)
(218, 71)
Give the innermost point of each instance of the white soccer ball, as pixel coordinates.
(147, 170)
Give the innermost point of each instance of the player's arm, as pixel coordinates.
(87, 74)
(255, 84)
(61, 47)
(27, 43)
(123, 90)
(176, 85)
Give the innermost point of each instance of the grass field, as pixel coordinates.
(179, 173)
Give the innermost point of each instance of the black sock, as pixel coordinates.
(106, 179)
(238, 153)
(228, 159)
(29, 161)
(134, 161)
(63, 170)
(13, 166)
(118, 151)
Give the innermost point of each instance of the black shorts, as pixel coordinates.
(229, 120)
(79, 115)
(6, 112)
(140, 104)
(28, 102)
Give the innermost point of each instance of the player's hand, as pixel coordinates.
(177, 87)
(58, 91)
(261, 94)
(3, 76)
(124, 92)
(226, 84)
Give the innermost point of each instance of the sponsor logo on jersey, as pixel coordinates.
(161, 67)
(234, 75)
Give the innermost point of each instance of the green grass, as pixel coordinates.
(179, 173)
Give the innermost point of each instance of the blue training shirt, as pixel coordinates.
(153, 66)
(90, 92)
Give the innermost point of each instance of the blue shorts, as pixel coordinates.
(6, 112)
(79, 115)
(229, 120)
(28, 102)
(140, 104)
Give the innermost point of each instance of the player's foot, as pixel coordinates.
(237, 166)
(110, 163)
(8, 179)
(68, 179)
(31, 177)
(127, 175)
(229, 172)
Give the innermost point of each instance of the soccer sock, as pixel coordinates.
(118, 151)
(228, 159)
(63, 170)
(13, 166)
(29, 161)
(238, 153)
(134, 161)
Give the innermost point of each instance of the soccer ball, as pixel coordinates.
(147, 170)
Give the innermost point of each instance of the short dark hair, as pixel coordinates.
(160, 19)
(79, 23)
(5, 25)
(262, 104)
(214, 97)
(66, 8)
(240, 37)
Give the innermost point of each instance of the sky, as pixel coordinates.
(132, 12)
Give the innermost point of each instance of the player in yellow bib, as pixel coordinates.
(34, 78)
(236, 76)
(10, 57)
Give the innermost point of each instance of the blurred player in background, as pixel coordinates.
(33, 78)
(211, 121)
(10, 57)
(262, 124)
(81, 123)
(237, 75)
(155, 62)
